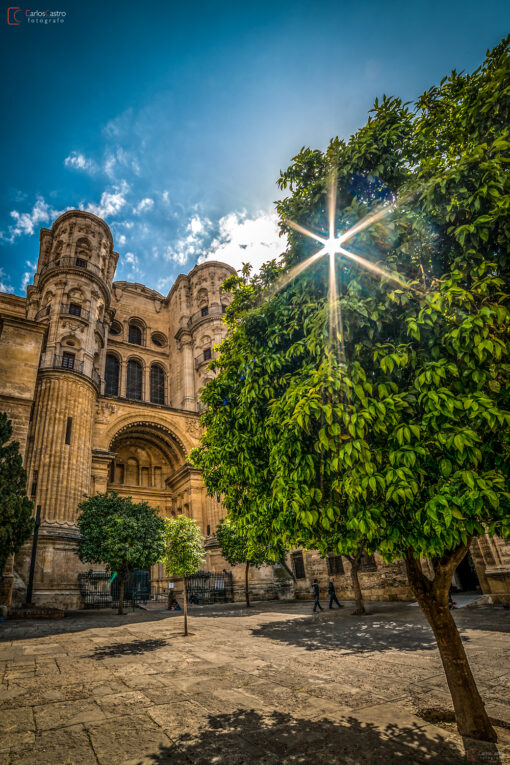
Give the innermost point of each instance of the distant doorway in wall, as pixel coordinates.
(465, 577)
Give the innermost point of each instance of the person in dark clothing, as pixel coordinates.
(315, 588)
(332, 594)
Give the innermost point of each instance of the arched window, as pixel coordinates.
(157, 384)
(135, 334)
(111, 372)
(134, 380)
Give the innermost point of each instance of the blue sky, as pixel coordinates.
(172, 121)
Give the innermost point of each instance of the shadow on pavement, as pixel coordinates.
(128, 649)
(246, 736)
(358, 635)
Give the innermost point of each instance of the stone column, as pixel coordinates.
(64, 481)
(185, 346)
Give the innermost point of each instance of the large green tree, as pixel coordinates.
(237, 548)
(361, 409)
(184, 552)
(122, 534)
(16, 521)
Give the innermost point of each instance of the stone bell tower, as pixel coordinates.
(71, 297)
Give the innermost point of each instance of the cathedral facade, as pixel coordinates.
(102, 382)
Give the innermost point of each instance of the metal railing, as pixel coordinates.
(85, 265)
(71, 364)
(67, 310)
(203, 357)
(42, 312)
(96, 378)
(62, 362)
(212, 310)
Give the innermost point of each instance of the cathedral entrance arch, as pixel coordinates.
(150, 466)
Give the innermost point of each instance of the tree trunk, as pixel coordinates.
(185, 611)
(432, 596)
(246, 588)
(358, 596)
(121, 593)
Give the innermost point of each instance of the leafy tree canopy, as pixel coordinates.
(235, 547)
(389, 423)
(122, 534)
(16, 522)
(184, 548)
(353, 406)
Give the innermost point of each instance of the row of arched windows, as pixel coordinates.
(134, 380)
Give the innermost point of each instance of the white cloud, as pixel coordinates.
(4, 282)
(111, 201)
(247, 240)
(192, 244)
(27, 276)
(79, 161)
(121, 240)
(27, 222)
(143, 206)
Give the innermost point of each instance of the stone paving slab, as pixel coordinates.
(271, 684)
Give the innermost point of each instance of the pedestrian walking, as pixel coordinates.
(315, 590)
(332, 594)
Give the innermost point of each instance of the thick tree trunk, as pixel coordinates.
(121, 593)
(246, 588)
(185, 611)
(358, 595)
(432, 596)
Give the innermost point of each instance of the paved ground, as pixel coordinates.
(271, 684)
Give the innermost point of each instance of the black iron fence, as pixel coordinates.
(210, 587)
(99, 590)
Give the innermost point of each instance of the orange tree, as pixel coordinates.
(387, 426)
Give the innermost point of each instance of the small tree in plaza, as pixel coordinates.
(16, 521)
(122, 534)
(236, 549)
(184, 552)
(361, 406)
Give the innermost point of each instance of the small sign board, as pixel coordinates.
(170, 585)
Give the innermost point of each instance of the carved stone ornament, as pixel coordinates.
(193, 427)
(104, 410)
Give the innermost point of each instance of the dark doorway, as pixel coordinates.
(466, 577)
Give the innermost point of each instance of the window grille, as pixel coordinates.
(134, 380)
(74, 309)
(81, 263)
(115, 329)
(135, 334)
(157, 384)
(111, 375)
(68, 360)
(368, 562)
(335, 565)
(207, 354)
(205, 311)
(298, 565)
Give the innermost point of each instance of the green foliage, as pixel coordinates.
(184, 548)
(235, 547)
(394, 432)
(122, 534)
(16, 522)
